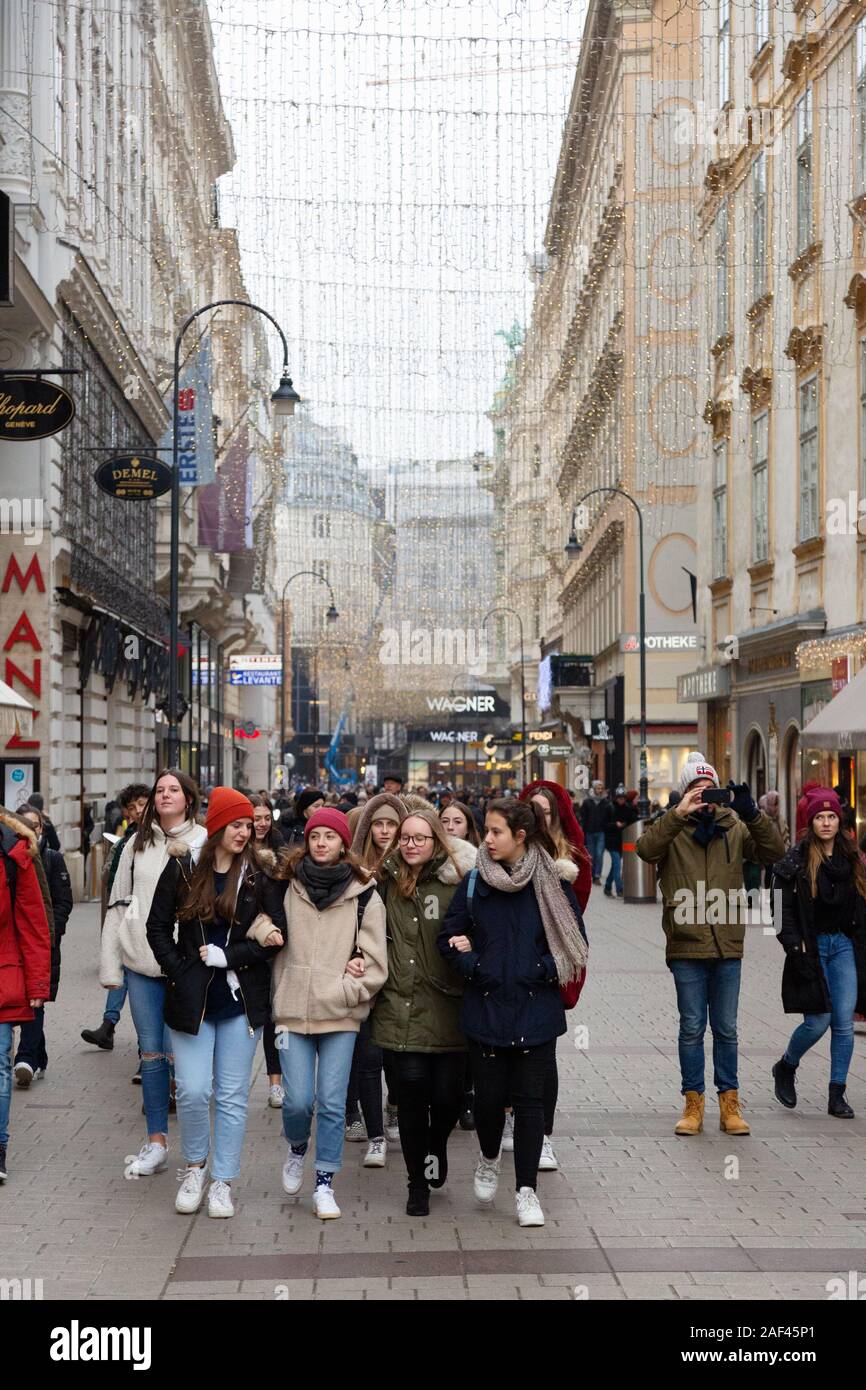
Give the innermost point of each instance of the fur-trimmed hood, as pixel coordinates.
(413, 802)
(21, 829)
(465, 853)
(565, 869)
(367, 814)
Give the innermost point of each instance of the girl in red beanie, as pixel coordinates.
(823, 932)
(219, 988)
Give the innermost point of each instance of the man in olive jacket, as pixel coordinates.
(699, 848)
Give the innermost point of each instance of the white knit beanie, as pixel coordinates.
(696, 766)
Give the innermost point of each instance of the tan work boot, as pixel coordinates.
(692, 1121)
(730, 1119)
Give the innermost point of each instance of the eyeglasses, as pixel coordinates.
(415, 839)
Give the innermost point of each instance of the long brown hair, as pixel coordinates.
(526, 816)
(471, 828)
(406, 877)
(189, 787)
(815, 857)
(562, 844)
(202, 900)
(273, 840)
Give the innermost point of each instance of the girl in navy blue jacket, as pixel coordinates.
(515, 934)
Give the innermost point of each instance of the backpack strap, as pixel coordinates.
(470, 892)
(360, 907)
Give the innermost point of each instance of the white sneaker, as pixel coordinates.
(293, 1173)
(486, 1178)
(191, 1189)
(528, 1208)
(39, 1074)
(508, 1134)
(23, 1075)
(548, 1161)
(392, 1129)
(325, 1204)
(356, 1132)
(219, 1200)
(377, 1152)
(275, 1097)
(150, 1159)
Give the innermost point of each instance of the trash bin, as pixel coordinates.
(638, 877)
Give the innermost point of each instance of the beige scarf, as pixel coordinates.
(564, 937)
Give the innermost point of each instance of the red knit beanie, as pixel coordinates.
(224, 806)
(332, 819)
(820, 799)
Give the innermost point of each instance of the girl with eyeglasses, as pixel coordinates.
(416, 1018)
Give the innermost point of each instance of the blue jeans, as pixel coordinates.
(707, 987)
(115, 1002)
(595, 849)
(614, 873)
(836, 954)
(303, 1082)
(147, 1005)
(215, 1062)
(5, 1080)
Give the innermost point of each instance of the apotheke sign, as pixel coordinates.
(711, 683)
(659, 642)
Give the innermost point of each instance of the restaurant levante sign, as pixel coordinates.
(134, 477)
(32, 408)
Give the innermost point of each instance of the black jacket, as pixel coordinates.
(292, 830)
(188, 977)
(511, 997)
(50, 834)
(593, 815)
(60, 891)
(612, 833)
(804, 988)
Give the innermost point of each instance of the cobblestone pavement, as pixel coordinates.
(633, 1212)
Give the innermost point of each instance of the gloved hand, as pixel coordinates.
(742, 801)
(215, 955)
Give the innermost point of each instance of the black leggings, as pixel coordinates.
(365, 1084)
(269, 1042)
(551, 1093)
(429, 1096)
(508, 1075)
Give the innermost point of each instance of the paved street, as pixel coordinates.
(633, 1212)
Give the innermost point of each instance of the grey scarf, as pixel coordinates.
(564, 937)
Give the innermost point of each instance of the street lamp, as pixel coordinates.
(332, 615)
(573, 548)
(283, 400)
(514, 613)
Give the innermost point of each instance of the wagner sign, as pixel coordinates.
(134, 477)
(31, 408)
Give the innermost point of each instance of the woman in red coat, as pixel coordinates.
(565, 832)
(25, 952)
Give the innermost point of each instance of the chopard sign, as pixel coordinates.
(31, 408)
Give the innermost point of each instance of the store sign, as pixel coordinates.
(659, 642)
(462, 704)
(195, 434)
(253, 668)
(772, 661)
(451, 736)
(838, 674)
(134, 477)
(32, 408)
(557, 751)
(24, 614)
(710, 683)
(599, 729)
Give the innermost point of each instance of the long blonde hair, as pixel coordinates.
(815, 857)
(407, 878)
(561, 842)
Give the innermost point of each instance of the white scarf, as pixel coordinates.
(135, 884)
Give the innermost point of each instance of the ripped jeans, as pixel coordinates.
(147, 1005)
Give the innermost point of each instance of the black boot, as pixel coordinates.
(3, 1173)
(103, 1036)
(419, 1199)
(837, 1104)
(784, 1075)
(467, 1113)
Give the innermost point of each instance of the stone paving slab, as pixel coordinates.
(633, 1213)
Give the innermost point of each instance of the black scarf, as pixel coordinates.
(706, 827)
(835, 880)
(324, 883)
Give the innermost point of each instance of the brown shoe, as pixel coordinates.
(730, 1119)
(692, 1121)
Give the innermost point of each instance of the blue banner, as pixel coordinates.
(195, 419)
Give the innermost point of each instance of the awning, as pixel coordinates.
(841, 725)
(16, 713)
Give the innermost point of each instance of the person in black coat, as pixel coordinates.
(822, 885)
(218, 989)
(593, 817)
(292, 828)
(31, 1059)
(51, 837)
(620, 815)
(502, 943)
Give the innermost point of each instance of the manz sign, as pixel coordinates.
(31, 408)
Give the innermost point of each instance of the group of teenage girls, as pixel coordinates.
(404, 943)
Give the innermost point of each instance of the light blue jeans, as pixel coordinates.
(5, 1080)
(216, 1062)
(114, 1002)
(303, 1083)
(614, 873)
(836, 954)
(147, 1005)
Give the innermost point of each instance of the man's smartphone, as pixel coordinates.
(716, 796)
